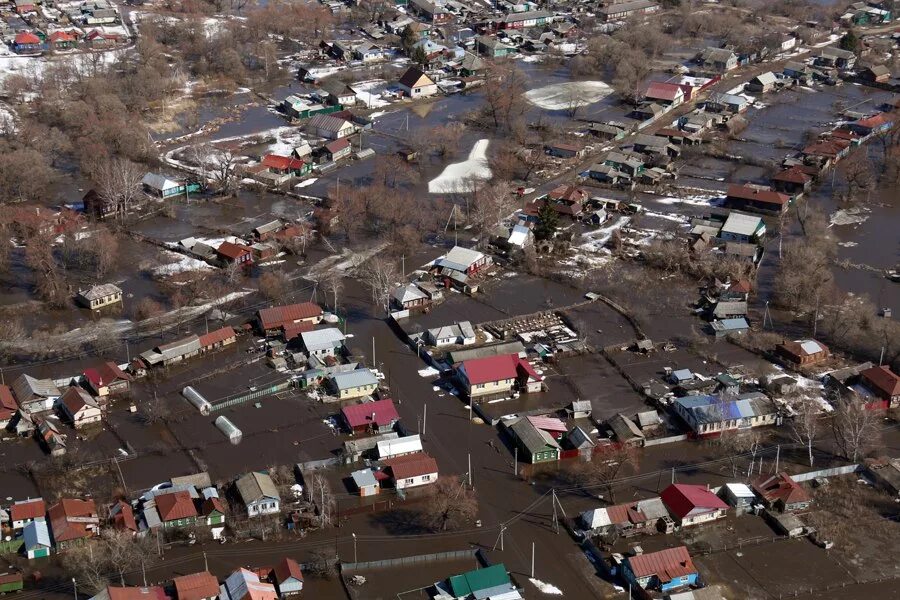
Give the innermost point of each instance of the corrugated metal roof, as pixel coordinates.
(353, 379)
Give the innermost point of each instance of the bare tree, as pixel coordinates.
(233, 271)
(319, 493)
(118, 183)
(380, 276)
(333, 283)
(451, 505)
(606, 468)
(855, 428)
(123, 551)
(805, 426)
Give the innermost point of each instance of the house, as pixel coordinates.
(8, 406)
(664, 570)
(740, 227)
(163, 187)
(370, 417)
(121, 517)
(131, 593)
(72, 522)
(432, 12)
(883, 384)
(231, 253)
(36, 539)
(287, 166)
(11, 582)
(797, 71)
(23, 512)
(724, 327)
(338, 92)
(648, 111)
(196, 586)
(524, 20)
(61, 40)
(354, 384)
(338, 149)
(648, 420)
(631, 165)
(875, 74)
(720, 60)
(758, 199)
(330, 127)
(711, 415)
(217, 339)
(565, 150)
(322, 342)
(462, 260)
(497, 375)
(534, 445)
(171, 353)
(655, 145)
(692, 504)
(35, 395)
(409, 297)
(625, 430)
(836, 57)
(619, 11)
(886, 474)
(877, 123)
(780, 492)
(174, 509)
(412, 470)
(762, 83)
(273, 320)
(485, 583)
(642, 516)
(27, 43)
(368, 52)
(99, 296)
(669, 94)
(721, 102)
(802, 352)
(288, 577)
(793, 180)
(79, 408)
(365, 482)
(738, 495)
(417, 84)
(471, 65)
(106, 379)
(458, 334)
(492, 47)
(100, 40)
(607, 131)
(258, 493)
(246, 585)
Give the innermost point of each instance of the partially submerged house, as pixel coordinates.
(259, 494)
(497, 376)
(780, 492)
(664, 570)
(692, 504)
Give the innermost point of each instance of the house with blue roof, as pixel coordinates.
(712, 414)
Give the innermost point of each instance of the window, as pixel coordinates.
(408, 481)
(426, 477)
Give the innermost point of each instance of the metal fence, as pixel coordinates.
(274, 389)
(832, 472)
(408, 560)
(666, 440)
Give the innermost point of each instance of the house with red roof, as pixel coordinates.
(23, 512)
(780, 492)
(286, 165)
(412, 470)
(107, 379)
(692, 504)
(873, 125)
(175, 509)
(196, 586)
(669, 94)
(131, 593)
(884, 384)
(27, 43)
(273, 320)
(231, 253)
(379, 416)
(288, 577)
(665, 570)
(62, 40)
(337, 149)
(214, 340)
(79, 408)
(793, 180)
(99, 40)
(754, 198)
(8, 405)
(121, 517)
(498, 376)
(73, 522)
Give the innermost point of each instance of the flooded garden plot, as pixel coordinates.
(591, 377)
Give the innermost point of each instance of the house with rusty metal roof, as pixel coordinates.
(665, 570)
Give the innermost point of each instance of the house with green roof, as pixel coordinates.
(483, 584)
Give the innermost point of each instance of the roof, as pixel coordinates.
(884, 379)
(245, 585)
(232, 250)
(26, 387)
(745, 192)
(767, 78)
(282, 163)
(624, 428)
(70, 519)
(738, 324)
(285, 569)
(548, 423)
(685, 500)
(736, 307)
(780, 486)
(496, 368)
(28, 509)
(412, 465)
(61, 36)
(76, 398)
(26, 37)
(712, 409)
(175, 505)
(399, 445)
(275, 316)
(105, 373)
(666, 564)
(132, 593)
(159, 182)
(98, 292)
(658, 90)
(801, 348)
(740, 490)
(527, 16)
(568, 193)
(256, 486)
(353, 379)
(363, 478)
(36, 534)
(626, 7)
(328, 123)
(123, 516)
(8, 404)
(459, 258)
(337, 145)
(740, 224)
(380, 412)
(196, 586)
(322, 339)
(471, 582)
(535, 440)
(217, 336)
(408, 293)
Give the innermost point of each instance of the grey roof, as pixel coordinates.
(463, 329)
(200, 480)
(653, 508)
(408, 293)
(357, 378)
(322, 339)
(716, 54)
(713, 409)
(27, 387)
(741, 224)
(648, 418)
(793, 65)
(730, 308)
(534, 439)
(472, 62)
(624, 428)
(369, 443)
(652, 141)
(178, 348)
(459, 259)
(491, 42)
(36, 534)
(834, 52)
(767, 78)
(364, 478)
(722, 98)
(100, 291)
(580, 439)
(625, 7)
(458, 356)
(726, 325)
(526, 16)
(268, 227)
(327, 122)
(255, 486)
(159, 182)
(337, 88)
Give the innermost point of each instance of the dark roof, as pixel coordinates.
(744, 192)
(884, 379)
(780, 487)
(411, 76)
(232, 251)
(276, 316)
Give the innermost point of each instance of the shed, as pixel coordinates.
(365, 482)
(229, 429)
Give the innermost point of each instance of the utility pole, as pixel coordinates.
(127, 352)
(532, 560)
(158, 545)
(205, 563)
(881, 358)
(777, 456)
(516, 460)
(555, 519)
(470, 468)
(75, 586)
(403, 265)
(673, 474)
(144, 571)
(206, 321)
(502, 529)
(424, 419)
(354, 547)
(373, 352)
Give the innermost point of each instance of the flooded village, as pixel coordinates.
(451, 300)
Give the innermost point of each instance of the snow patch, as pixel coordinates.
(428, 372)
(567, 95)
(546, 588)
(458, 178)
